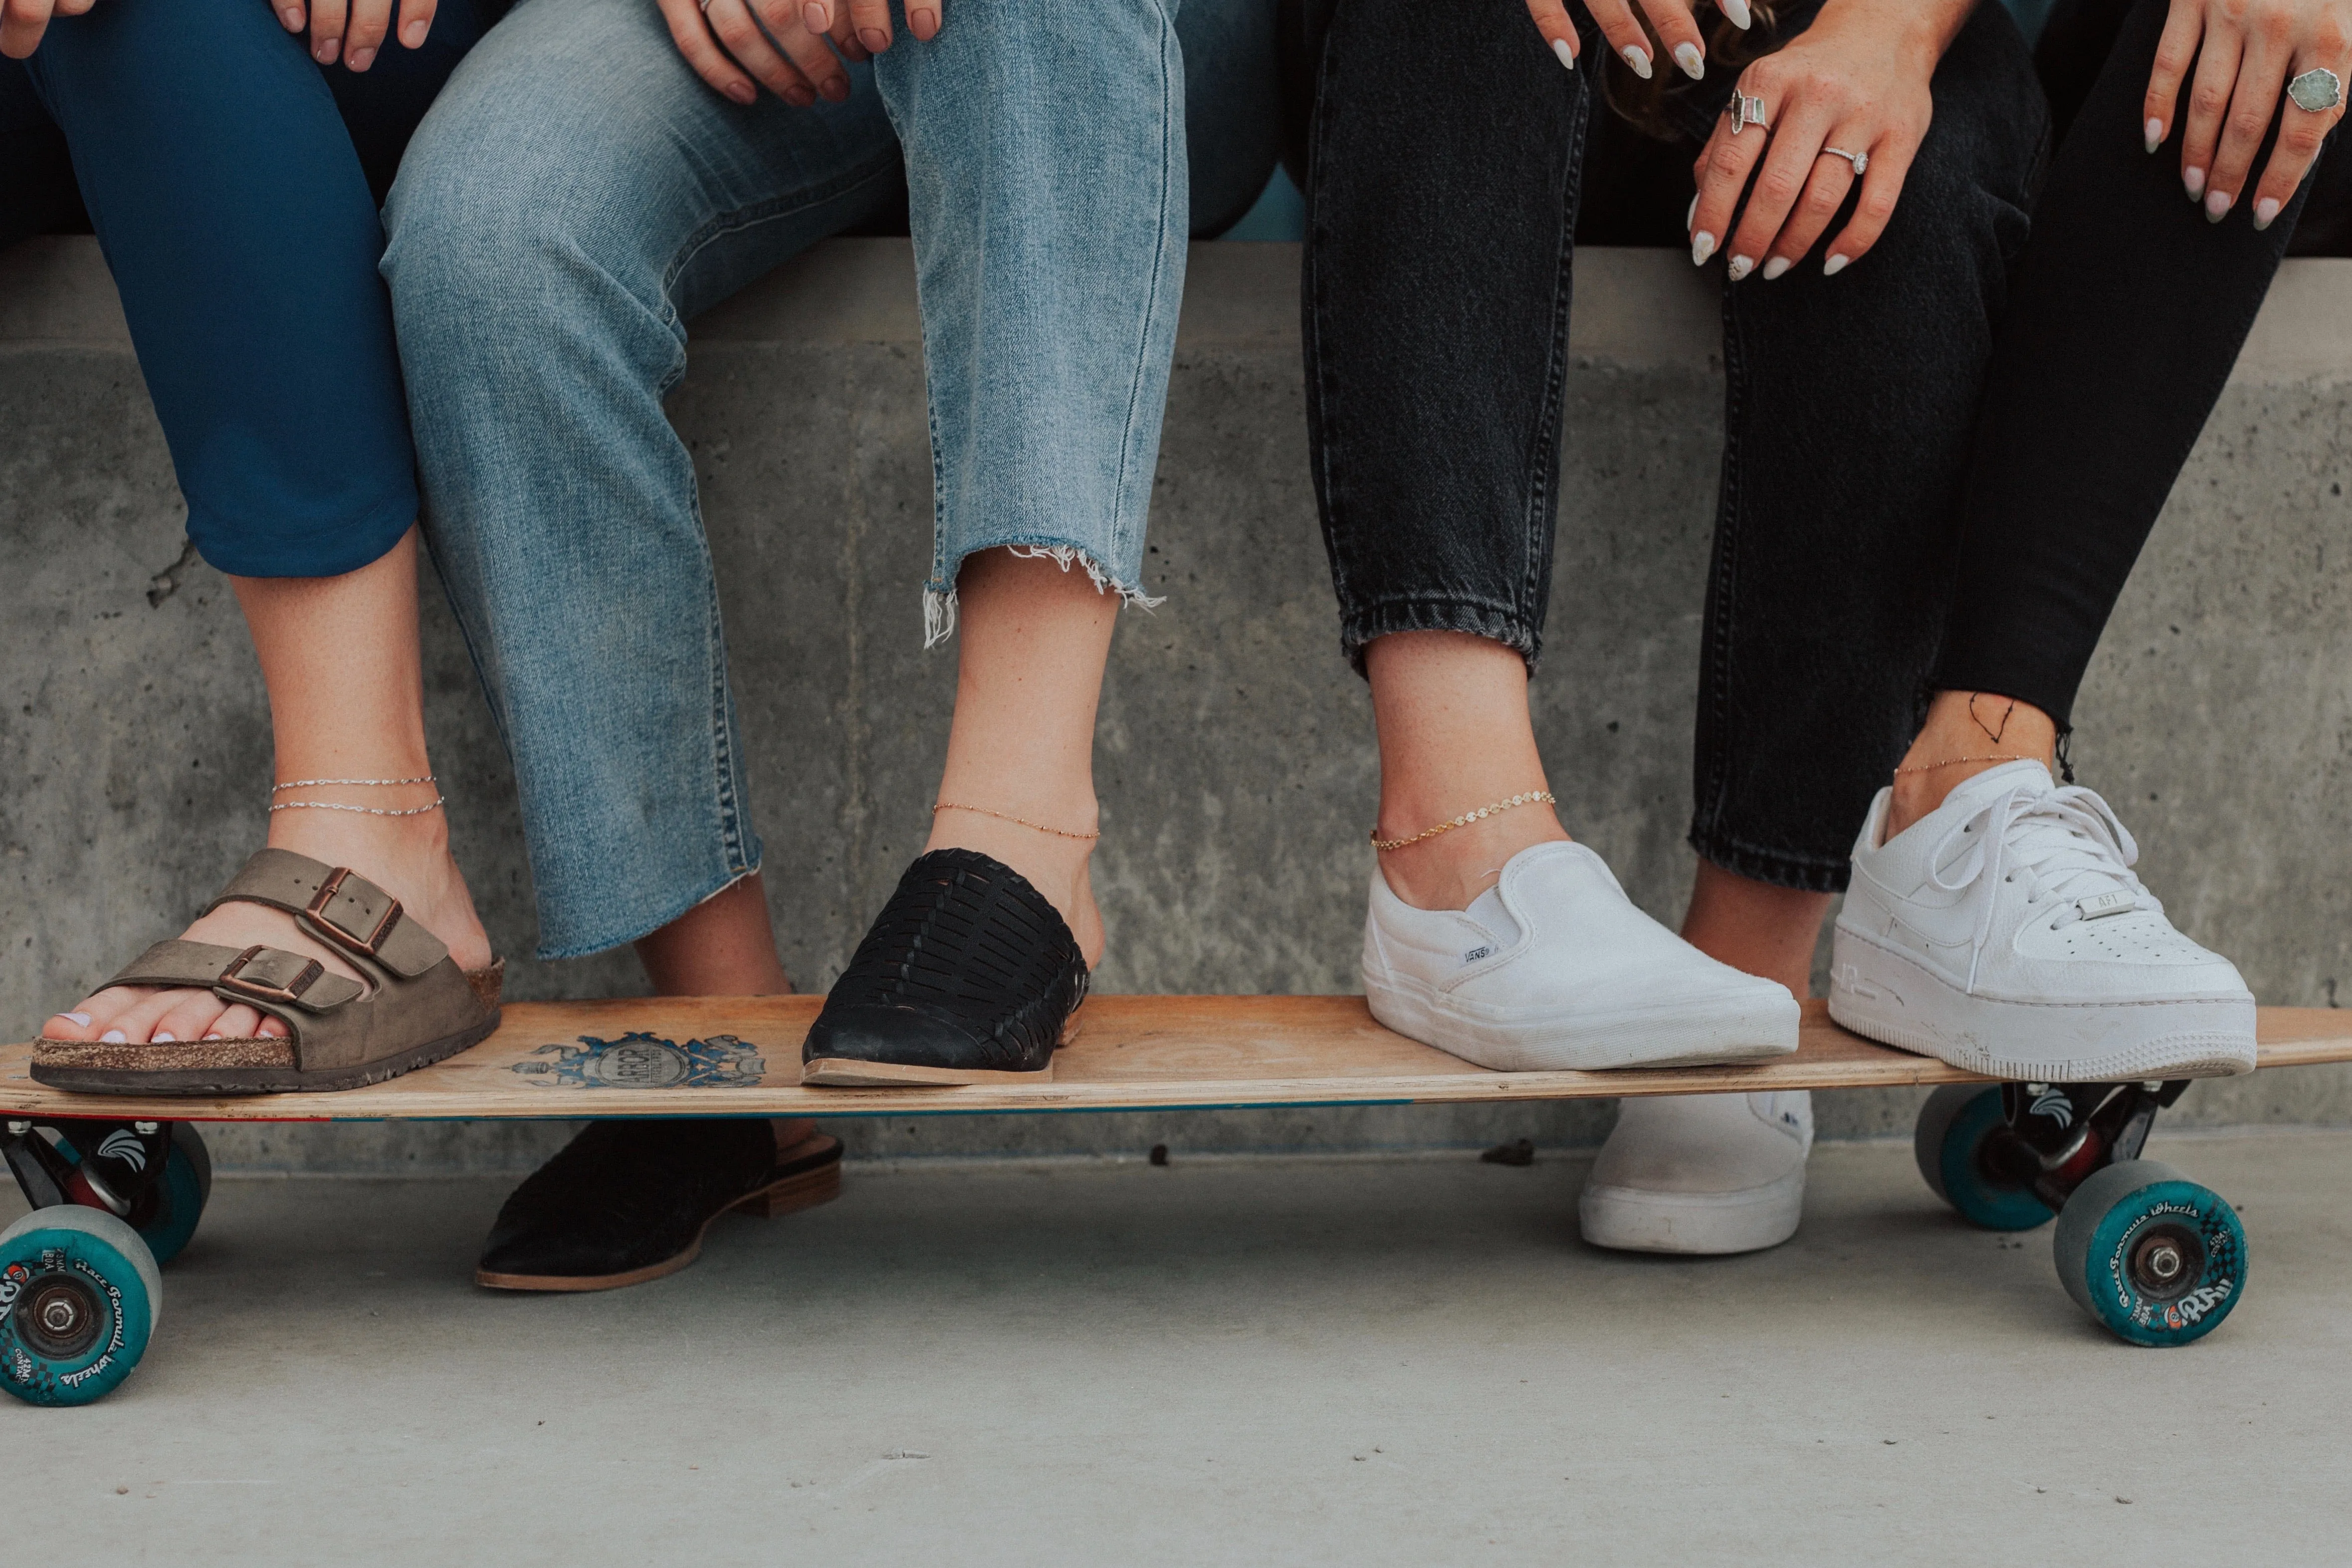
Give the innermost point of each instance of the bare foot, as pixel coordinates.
(407, 857)
(1056, 867)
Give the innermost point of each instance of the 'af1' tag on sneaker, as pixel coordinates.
(2103, 904)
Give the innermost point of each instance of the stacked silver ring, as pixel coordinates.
(1745, 112)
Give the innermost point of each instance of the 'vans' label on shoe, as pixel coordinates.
(2104, 904)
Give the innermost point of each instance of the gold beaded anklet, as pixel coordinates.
(1385, 844)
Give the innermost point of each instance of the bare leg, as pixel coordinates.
(1031, 644)
(340, 659)
(1966, 733)
(1755, 926)
(1456, 735)
(724, 946)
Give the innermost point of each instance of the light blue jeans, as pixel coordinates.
(577, 192)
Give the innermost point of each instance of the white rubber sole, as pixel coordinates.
(1887, 995)
(1666, 1035)
(1634, 1219)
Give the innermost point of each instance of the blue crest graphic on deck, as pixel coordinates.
(644, 1060)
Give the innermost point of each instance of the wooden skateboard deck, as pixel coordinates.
(740, 1056)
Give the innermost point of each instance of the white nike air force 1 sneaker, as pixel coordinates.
(1700, 1174)
(1554, 967)
(2005, 932)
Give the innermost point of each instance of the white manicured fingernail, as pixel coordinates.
(1737, 11)
(1702, 246)
(1741, 268)
(114, 1037)
(2195, 180)
(1774, 268)
(2265, 210)
(1691, 216)
(1694, 64)
(2155, 129)
(1833, 266)
(2217, 205)
(162, 1036)
(1639, 59)
(81, 1018)
(1566, 56)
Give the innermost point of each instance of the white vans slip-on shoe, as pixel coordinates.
(1554, 968)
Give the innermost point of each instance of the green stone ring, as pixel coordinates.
(2318, 90)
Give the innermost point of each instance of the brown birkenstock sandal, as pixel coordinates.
(417, 1005)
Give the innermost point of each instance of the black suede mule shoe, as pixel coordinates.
(969, 975)
(626, 1202)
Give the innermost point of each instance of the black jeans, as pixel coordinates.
(2126, 312)
(1446, 153)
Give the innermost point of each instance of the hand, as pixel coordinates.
(2244, 50)
(737, 54)
(869, 20)
(354, 30)
(22, 23)
(1856, 81)
(1676, 29)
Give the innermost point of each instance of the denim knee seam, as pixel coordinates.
(741, 218)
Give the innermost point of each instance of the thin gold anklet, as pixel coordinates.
(439, 798)
(1385, 844)
(1956, 762)
(1008, 817)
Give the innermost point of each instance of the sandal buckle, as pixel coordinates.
(233, 979)
(364, 945)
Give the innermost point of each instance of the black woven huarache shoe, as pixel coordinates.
(967, 976)
(626, 1202)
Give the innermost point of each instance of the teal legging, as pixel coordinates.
(234, 186)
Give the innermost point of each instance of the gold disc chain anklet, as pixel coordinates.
(1464, 820)
(439, 799)
(1956, 762)
(1008, 817)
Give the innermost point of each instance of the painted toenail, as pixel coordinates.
(81, 1018)
(160, 1036)
(114, 1038)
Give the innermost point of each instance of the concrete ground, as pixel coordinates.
(1347, 1361)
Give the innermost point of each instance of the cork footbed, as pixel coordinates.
(203, 1055)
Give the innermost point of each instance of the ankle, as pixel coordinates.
(1966, 733)
(1449, 870)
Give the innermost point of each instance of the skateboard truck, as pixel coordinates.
(2054, 1137)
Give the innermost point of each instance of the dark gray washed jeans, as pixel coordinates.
(1452, 167)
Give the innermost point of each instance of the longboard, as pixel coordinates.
(678, 1056)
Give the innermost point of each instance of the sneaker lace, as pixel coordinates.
(2066, 844)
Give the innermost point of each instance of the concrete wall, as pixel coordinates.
(1236, 770)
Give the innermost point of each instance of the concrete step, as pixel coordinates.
(1236, 770)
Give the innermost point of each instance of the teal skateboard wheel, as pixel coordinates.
(79, 1295)
(1948, 1143)
(2152, 1257)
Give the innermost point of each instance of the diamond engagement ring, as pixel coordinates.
(2318, 90)
(1745, 112)
(1861, 160)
